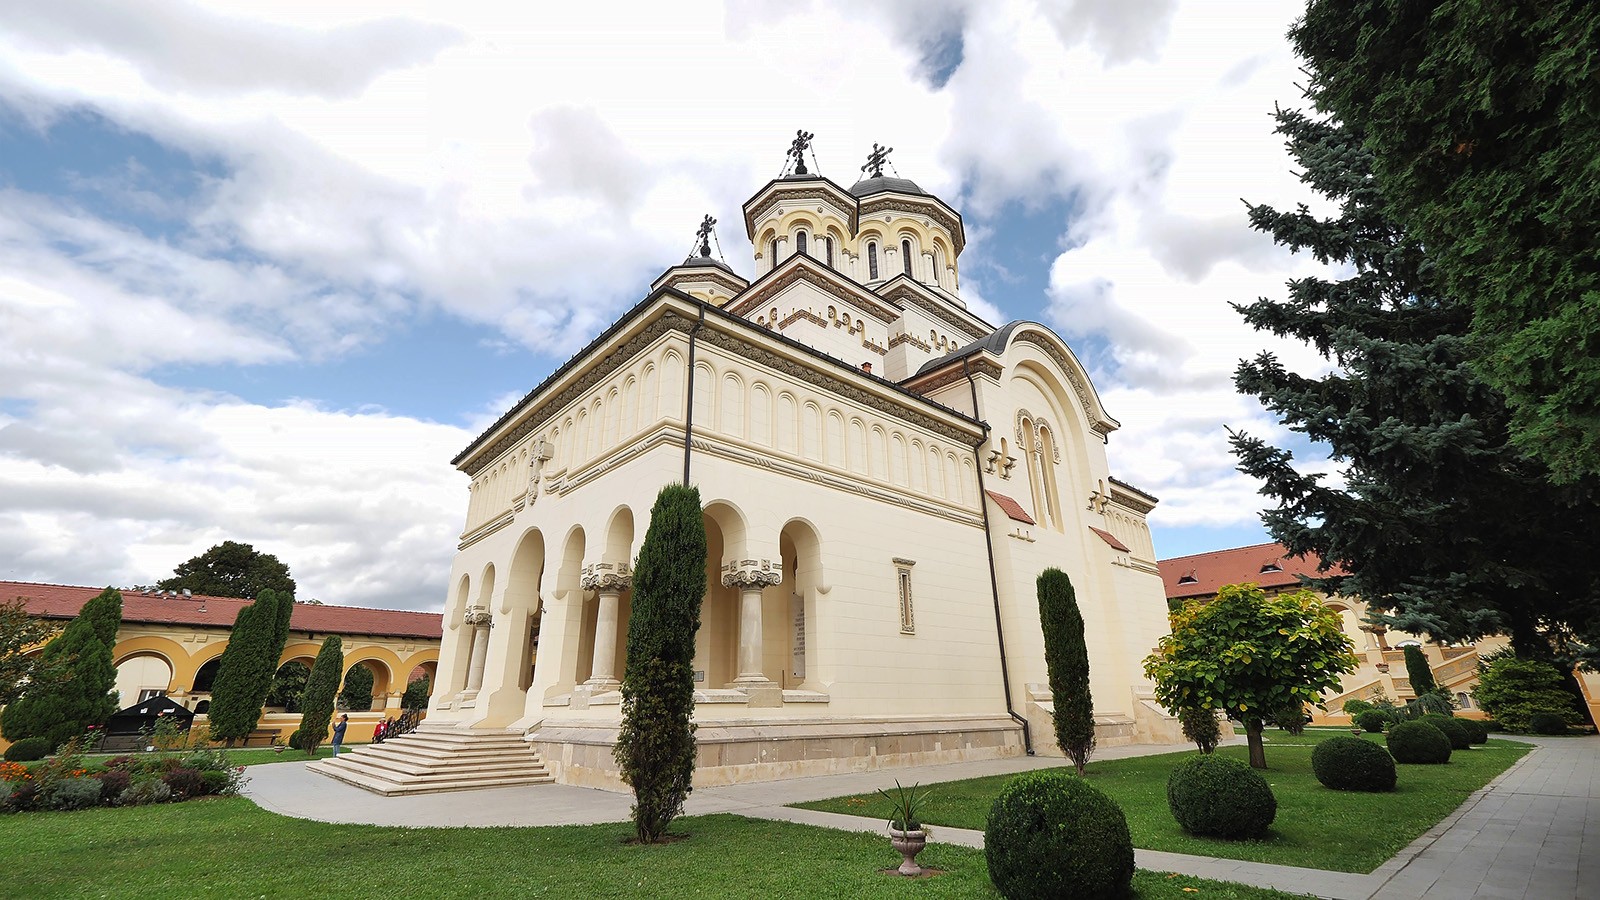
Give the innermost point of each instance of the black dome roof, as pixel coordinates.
(881, 184)
(707, 261)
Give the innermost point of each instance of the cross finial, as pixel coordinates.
(704, 234)
(876, 159)
(797, 150)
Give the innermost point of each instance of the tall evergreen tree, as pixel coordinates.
(63, 709)
(1066, 658)
(1445, 528)
(20, 632)
(244, 676)
(320, 689)
(1482, 121)
(655, 747)
(231, 569)
(1418, 672)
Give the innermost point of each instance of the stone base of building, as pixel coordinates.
(1148, 723)
(740, 751)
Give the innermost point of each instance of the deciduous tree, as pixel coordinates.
(1482, 125)
(356, 695)
(1066, 659)
(231, 569)
(19, 633)
(655, 747)
(1250, 655)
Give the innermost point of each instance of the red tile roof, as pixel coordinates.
(60, 601)
(1011, 508)
(1202, 574)
(1110, 538)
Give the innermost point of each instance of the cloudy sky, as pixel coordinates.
(266, 266)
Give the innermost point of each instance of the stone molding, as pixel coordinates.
(932, 207)
(478, 617)
(606, 577)
(1099, 422)
(907, 293)
(837, 286)
(750, 574)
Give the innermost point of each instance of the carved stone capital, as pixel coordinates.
(478, 617)
(748, 574)
(606, 577)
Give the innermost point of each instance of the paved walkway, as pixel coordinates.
(1532, 833)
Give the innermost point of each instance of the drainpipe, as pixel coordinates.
(994, 579)
(688, 411)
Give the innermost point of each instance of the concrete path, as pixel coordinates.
(1532, 833)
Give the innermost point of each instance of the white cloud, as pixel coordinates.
(531, 169)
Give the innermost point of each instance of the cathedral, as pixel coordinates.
(884, 475)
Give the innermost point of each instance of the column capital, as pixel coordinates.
(749, 574)
(478, 616)
(606, 577)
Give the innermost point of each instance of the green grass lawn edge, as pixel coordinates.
(229, 847)
(1315, 828)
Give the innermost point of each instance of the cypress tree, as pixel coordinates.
(1417, 670)
(61, 710)
(655, 747)
(416, 695)
(320, 688)
(357, 693)
(1066, 657)
(249, 662)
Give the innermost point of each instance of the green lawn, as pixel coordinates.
(1316, 827)
(228, 847)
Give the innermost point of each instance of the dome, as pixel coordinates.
(882, 184)
(707, 261)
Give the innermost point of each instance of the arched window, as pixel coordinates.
(827, 246)
(774, 253)
(872, 261)
(905, 255)
(800, 243)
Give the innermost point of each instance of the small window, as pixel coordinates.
(1463, 700)
(827, 246)
(1271, 566)
(872, 262)
(800, 243)
(151, 694)
(1188, 579)
(905, 253)
(902, 569)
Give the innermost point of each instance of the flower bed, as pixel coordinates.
(67, 782)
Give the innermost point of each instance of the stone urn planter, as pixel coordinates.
(906, 834)
(908, 844)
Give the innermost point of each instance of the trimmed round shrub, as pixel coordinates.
(216, 782)
(184, 783)
(1371, 721)
(1547, 723)
(294, 740)
(1480, 734)
(1352, 764)
(1219, 796)
(1054, 835)
(1460, 737)
(1418, 743)
(73, 793)
(112, 783)
(1353, 708)
(28, 749)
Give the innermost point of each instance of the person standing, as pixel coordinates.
(338, 731)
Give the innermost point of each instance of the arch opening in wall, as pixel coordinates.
(800, 239)
(905, 255)
(289, 685)
(800, 550)
(206, 675)
(142, 676)
(827, 246)
(872, 260)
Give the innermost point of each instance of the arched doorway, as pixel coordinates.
(141, 677)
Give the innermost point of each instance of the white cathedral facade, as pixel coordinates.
(884, 475)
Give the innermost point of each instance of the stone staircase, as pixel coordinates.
(437, 758)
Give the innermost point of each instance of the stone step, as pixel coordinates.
(526, 765)
(435, 776)
(458, 741)
(366, 780)
(433, 754)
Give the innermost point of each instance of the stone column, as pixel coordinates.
(609, 581)
(750, 576)
(481, 621)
